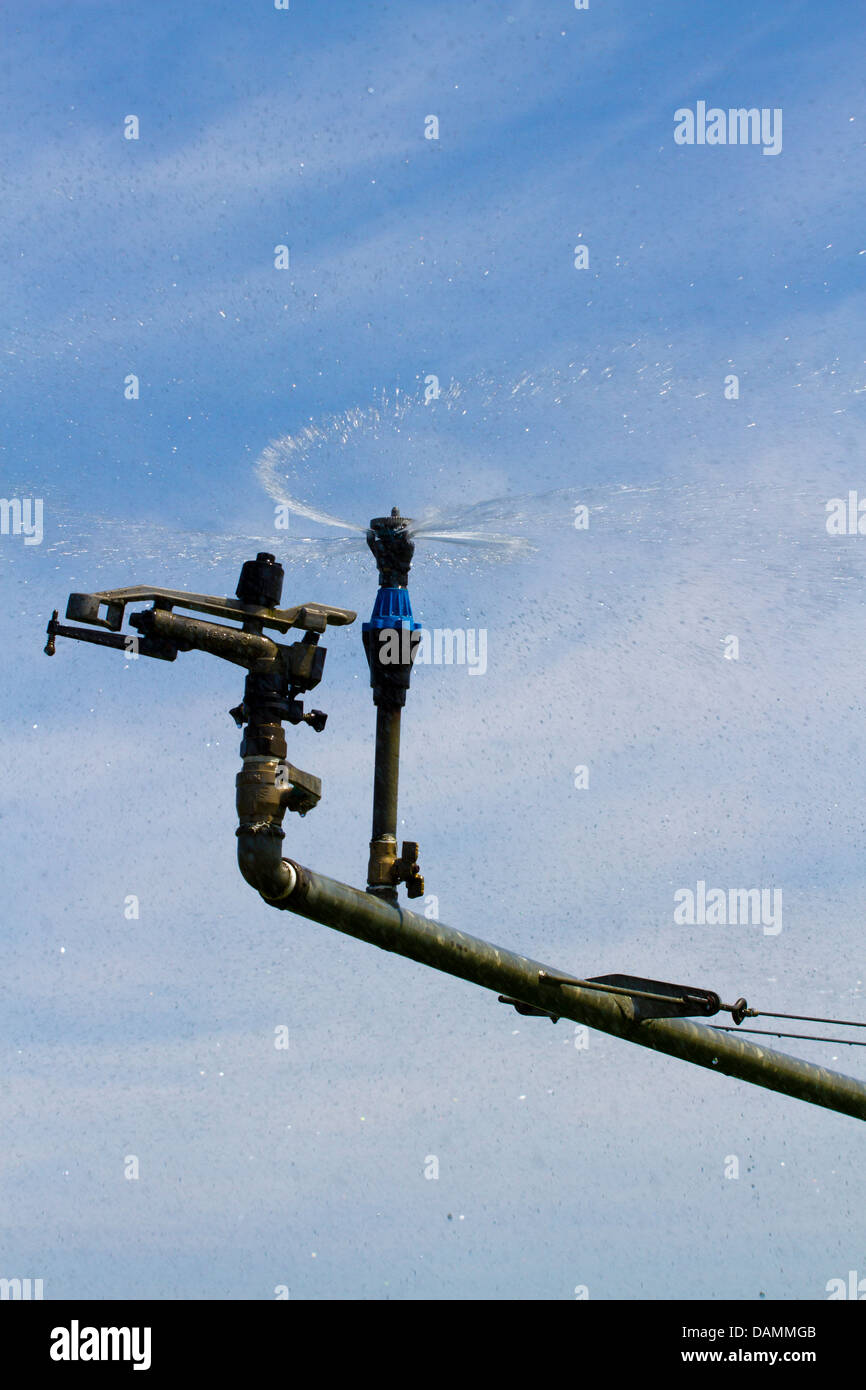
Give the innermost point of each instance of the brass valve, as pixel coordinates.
(405, 870)
(387, 869)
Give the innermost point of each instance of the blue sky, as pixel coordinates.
(558, 1166)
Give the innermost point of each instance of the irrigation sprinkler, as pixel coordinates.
(391, 640)
(651, 1013)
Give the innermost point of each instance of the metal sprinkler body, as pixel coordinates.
(278, 674)
(391, 639)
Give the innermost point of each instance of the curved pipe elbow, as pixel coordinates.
(262, 865)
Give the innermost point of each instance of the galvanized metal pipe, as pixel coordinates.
(393, 928)
(386, 775)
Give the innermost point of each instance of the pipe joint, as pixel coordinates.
(262, 865)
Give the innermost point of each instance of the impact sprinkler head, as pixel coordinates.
(390, 540)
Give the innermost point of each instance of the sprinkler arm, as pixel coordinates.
(87, 608)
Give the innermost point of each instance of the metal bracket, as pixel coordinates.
(310, 617)
(650, 998)
(528, 1010)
